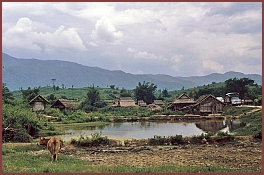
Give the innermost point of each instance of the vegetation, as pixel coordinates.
(15, 159)
(96, 140)
(145, 92)
(93, 105)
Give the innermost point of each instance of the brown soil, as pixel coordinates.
(244, 153)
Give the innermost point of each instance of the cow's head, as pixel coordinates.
(42, 141)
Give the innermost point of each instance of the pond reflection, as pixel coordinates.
(140, 130)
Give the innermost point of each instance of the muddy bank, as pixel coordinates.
(244, 153)
(167, 118)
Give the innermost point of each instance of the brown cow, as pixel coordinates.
(43, 141)
(53, 144)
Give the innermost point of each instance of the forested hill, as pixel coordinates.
(17, 73)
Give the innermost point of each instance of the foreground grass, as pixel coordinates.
(19, 159)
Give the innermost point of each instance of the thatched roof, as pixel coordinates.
(38, 98)
(124, 102)
(127, 103)
(62, 103)
(204, 97)
(183, 98)
(142, 104)
(158, 102)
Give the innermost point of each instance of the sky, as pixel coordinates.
(172, 38)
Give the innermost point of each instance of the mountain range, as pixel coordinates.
(17, 73)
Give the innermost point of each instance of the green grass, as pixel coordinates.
(253, 127)
(234, 111)
(79, 94)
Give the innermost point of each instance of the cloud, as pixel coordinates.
(25, 35)
(145, 55)
(105, 31)
(20, 35)
(176, 38)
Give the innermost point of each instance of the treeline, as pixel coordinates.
(244, 86)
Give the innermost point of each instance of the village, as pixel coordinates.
(205, 105)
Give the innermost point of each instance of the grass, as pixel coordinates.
(253, 127)
(18, 159)
(79, 126)
(234, 111)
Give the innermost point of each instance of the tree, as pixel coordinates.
(92, 96)
(145, 92)
(165, 93)
(91, 101)
(238, 85)
(125, 93)
(29, 94)
(6, 95)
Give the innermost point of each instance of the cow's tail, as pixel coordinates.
(54, 149)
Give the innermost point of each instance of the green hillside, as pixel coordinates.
(75, 94)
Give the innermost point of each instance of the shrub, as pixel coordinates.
(158, 140)
(177, 139)
(96, 140)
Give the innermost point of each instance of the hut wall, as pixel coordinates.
(38, 106)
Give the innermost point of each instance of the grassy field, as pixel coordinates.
(19, 159)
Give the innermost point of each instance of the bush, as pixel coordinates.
(158, 140)
(96, 140)
(22, 123)
(177, 139)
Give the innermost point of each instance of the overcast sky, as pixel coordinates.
(177, 39)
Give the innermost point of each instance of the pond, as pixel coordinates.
(141, 130)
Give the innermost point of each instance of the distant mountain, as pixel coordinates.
(26, 73)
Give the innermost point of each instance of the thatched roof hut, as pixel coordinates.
(124, 102)
(182, 101)
(62, 104)
(158, 102)
(142, 103)
(206, 104)
(38, 103)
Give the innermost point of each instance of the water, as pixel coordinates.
(141, 130)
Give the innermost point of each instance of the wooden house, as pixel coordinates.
(38, 103)
(182, 101)
(62, 104)
(206, 104)
(141, 103)
(158, 102)
(124, 102)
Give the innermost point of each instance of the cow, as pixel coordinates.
(43, 141)
(53, 144)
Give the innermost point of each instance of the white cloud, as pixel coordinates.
(204, 37)
(105, 31)
(24, 35)
(177, 58)
(212, 65)
(20, 35)
(131, 50)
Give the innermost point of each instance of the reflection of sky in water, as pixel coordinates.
(138, 130)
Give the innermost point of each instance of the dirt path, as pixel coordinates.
(245, 154)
